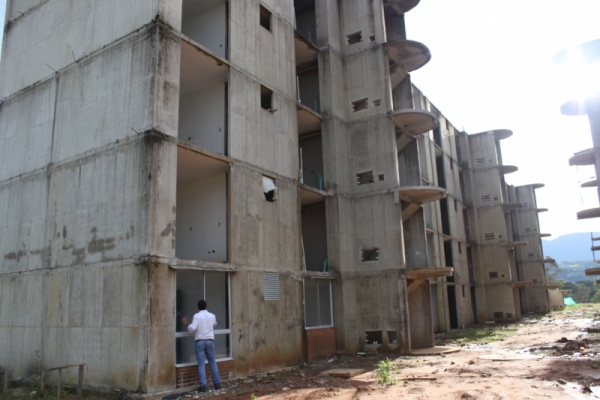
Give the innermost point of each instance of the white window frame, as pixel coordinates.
(308, 328)
(216, 331)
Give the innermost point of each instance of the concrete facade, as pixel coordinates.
(270, 156)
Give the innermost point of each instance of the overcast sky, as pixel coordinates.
(491, 68)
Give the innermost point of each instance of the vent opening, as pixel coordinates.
(354, 37)
(361, 104)
(374, 337)
(271, 281)
(365, 177)
(494, 274)
(371, 254)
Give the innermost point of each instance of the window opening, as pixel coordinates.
(271, 282)
(269, 189)
(317, 303)
(527, 229)
(437, 136)
(493, 274)
(480, 160)
(534, 281)
(498, 315)
(490, 236)
(509, 315)
(265, 18)
(374, 337)
(485, 197)
(530, 255)
(380, 177)
(463, 291)
(365, 177)
(361, 104)
(192, 286)
(376, 102)
(371, 254)
(392, 337)
(266, 98)
(455, 205)
(354, 37)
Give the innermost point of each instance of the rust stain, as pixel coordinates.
(167, 230)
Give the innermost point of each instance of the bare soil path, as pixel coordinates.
(550, 357)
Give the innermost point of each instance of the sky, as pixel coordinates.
(491, 68)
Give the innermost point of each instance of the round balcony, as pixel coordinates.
(589, 213)
(401, 6)
(584, 157)
(411, 123)
(507, 169)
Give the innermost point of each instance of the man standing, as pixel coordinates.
(202, 326)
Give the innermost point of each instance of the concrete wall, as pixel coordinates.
(208, 27)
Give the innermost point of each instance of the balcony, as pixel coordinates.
(506, 207)
(512, 245)
(419, 276)
(574, 107)
(500, 134)
(584, 157)
(406, 56)
(411, 123)
(539, 210)
(589, 213)
(507, 169)
(413, 197)
(588, 184)
(401, 6)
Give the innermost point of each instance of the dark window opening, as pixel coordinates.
(265, 18)
(380, 177)
(480, 160)
(354, 37)
(266, 98)
(463, 291)
(493, 274)
(269, 189)
(459, 248)
(498, 315)
(374, 337)
(534, 281)
(527, 229)
(485, 197)
(445, 217)
(455, 205)
(361, 104)
(490, 236)
(441, 171)
(365, 177)
(376, 102)
(392, 337)
(371, 254)
(448, 254)
(437, 136)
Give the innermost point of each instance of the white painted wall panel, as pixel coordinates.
(202, 219)
(202, 118)
(209, 28)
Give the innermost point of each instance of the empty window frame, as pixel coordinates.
(365, 177)
(485, 197)
(489, 236)
(370, 254)
(493, 274)
(361, 104)
(269, 189)
(266, 99)
(374, 337)
(318, 310)
(527, 229)
(265, 18)
(192, 286)
(480, 160)
(355, 37)
(271, 283)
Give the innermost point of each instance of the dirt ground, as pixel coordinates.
(549, 357)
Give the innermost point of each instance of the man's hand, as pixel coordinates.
(184, 321)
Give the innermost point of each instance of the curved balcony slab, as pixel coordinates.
(401, 6)
(541, 210)
(521, 284)
(310, 195)
(589, 213)
(584, 157)
(545, 235)
(414, 196)
(548, 260)
(422, 194)
(426, 273)
(407, 55)
(588, 184)
(592, 271)
(507, 169)
(574, 107)
(411, 123)
(511, 206)
(499, 134)
(512, 245)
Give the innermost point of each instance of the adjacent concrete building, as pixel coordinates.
(270, 156)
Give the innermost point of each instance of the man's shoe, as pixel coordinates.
(202, 389)
(217, 386)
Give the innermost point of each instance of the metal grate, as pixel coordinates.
(271, 286)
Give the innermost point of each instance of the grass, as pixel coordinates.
(22, 391)
(482, 334)
(384, 370)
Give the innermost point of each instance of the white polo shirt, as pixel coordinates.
(203, 324)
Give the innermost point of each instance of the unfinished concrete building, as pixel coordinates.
(157, 152)
(447, 242)
(270, 156)
(579, 60)
(530, 276)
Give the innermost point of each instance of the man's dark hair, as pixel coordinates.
(202, 305)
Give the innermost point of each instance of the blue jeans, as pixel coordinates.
(205, 349)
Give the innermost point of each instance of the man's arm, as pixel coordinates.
(194, 325)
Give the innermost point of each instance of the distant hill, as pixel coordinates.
(571, 247)
(575, 271)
